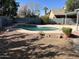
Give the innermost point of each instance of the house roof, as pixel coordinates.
(59, 11)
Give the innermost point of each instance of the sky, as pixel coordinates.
(51, 4)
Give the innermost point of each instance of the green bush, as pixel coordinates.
(45, 19)
(67, 31)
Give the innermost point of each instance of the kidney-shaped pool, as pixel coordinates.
(35, 28)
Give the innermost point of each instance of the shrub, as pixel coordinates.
(67, 31)
(45, 19)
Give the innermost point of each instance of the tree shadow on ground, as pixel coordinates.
(74, 36)
(29, 50)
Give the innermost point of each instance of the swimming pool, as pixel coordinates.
(35, 28)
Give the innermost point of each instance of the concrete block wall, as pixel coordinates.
(5, 21)
(28, 20)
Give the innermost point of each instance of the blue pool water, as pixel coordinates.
(35, 28)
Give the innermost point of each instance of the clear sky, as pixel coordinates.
(51, 4)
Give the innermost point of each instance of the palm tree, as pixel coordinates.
(45, 8)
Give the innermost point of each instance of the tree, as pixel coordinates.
(45, 8)
(23, 10)
(45, 19)
(26, 11)
(1, 7)
(37, 12)
(9, 8)
(71, 5)
(34, 7)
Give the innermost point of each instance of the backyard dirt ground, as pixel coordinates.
(26, 46)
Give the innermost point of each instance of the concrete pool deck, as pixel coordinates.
(50, 34)
(56, 34)
(54, 31)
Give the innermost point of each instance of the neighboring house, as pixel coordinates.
(61, 17)
(59, 13)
